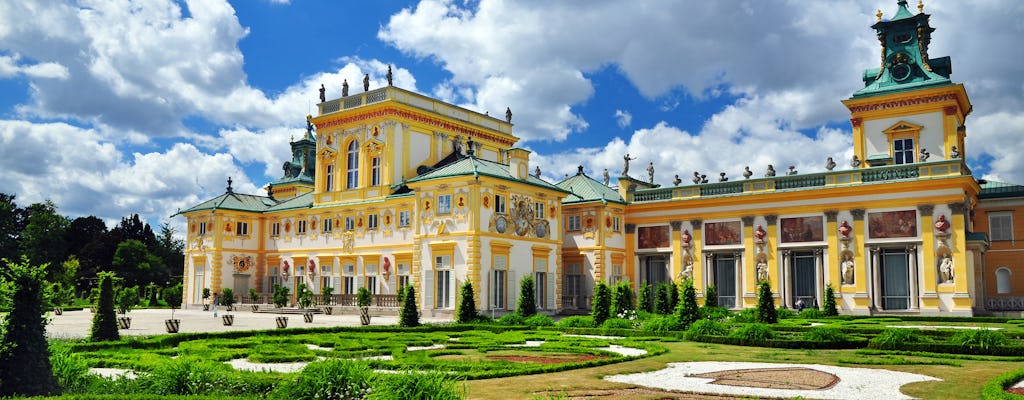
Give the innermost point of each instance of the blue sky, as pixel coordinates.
(114, 107)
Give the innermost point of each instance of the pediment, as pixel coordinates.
(902, 127)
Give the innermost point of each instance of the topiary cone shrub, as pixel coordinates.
(25, 368)
(688, 312)
(410, 314)
(766, 305)
(622, 298)
(466, 311)
(527, 297)
(644, 299)
(711, 296)
(104, 322)
(601, 308)
(830, 302)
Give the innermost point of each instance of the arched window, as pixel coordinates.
(1003, 280)
(352, 166)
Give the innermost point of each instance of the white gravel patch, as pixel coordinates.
(626, 351)
(315, 347)
(595, 336)
(1018, 385)
(529, 343)
(421, 348)
(854, 383)
(385, 357)
(243, 364)
(942, 327)
(114, 373)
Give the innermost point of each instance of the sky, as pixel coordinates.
(116, 107)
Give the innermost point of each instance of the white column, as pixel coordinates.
(787, 276)
(875, 280)
(819, 278)
(739, 279)
(912, 263)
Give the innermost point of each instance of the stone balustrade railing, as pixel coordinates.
(416, 100)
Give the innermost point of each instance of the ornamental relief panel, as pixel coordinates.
(520, 219)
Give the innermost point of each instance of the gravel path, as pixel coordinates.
(854, 383)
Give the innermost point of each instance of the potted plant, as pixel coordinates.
(280, 296)
(59, 296)
(127, 297)
(206, 298)
(227, 298)
(282, 322)
(363, 298)
(172, 296)
(304, 296)
(325, 299)
(254, 298)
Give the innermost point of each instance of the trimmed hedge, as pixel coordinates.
(781, 344)
(995, 389)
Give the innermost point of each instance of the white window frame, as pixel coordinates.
(300, 227)
(404, 219)
(442, 281)
(375, 171)
(372, 222)
(275, 229)
(616, 224)
(329, 178)
(538, 210)
(447, 204)
(499, 204)
(350, 223)
(241, 229)
(908, 155)
(499, 282)
(1004, 280)
(328, 225)
(573, 223)
(202, 228)
(352, 165)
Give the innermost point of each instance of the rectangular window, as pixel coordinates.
(328, 225)
(617, 274)
(242, 229)
(329, 179)
(402, 269)
(275, 229)
(572, 223)
(371, 221)
(375, 171)
(1000, 226)
(538, 210)
(350, 285)
(499, 204)
(442, 294)
(500, 282)
(444, 204)
(301, 227)
(404, 219)
(202, 228)
(903, 151)
(371, 284)
(540, 288)
(350, 223)
(616, 224)
(403, 281)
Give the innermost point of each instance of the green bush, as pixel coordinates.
(189, 376)
(661, 324)
(325, 294)
(746, 315)
(416, 385)
(328, 379)
(979, 339)
(785, 313)
(280, 296)
(673, 295)
(172, 295)
(824, 334)
(512, 319)
(706, 327)
(663, 300)
(304, 296)
(766, 304)
(527, 305)
(363, 297)
(644, 300)
(716, 313)
(601, 308)
(539, 320)
(227, 297)
(894, 338)
(711, 296)
(153, 292)
(70, 372)
(622, 298)
(104, 323)
(126, 299)
(758, 333)
(576, 321)
(687, 312)
(466, 311)
(617, 323)
(995, 389)
(811, 313)
(830, 301)
(410, 314)
(25, 367)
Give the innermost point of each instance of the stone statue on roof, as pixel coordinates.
(650, 171)
(954, 153)
(770, 172)
(924, 155)
(457, 144)
(366, 82)
(677, 181)
(323, 93)
(389, 75)
(855, 162)
(830, 164)
(344, 88)
(536, 171)
(607, 179)
(747, 173)
(625, 164)
(508, 114)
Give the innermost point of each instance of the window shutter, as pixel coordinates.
(512, 293)
(453, 285)
(550, 301)
(427, 290)
(491, 299)
(360, 282)
(337, 285)
(266, 285)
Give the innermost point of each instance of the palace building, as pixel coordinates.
(389, 188)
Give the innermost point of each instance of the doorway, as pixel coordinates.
(895, 274)
(725, 280)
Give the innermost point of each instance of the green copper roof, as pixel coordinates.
(480, 167)
(583, 188)
(301, 201)
(235, 202)
(903, 12)
(995, 190)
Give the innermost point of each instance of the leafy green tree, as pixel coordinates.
(84, 237)
(711, 297)
(172, 295)
(104, 323)
(136, 264)
(830, 301)
(169, 249)
(42, 239)
(687, 311)
(662, 301)
(527, 297)
(127, 298)
(673, 295)
(622, 298)
(643, 300)
(280, 295)
(303, 296)
(601, 309)
(67, 274)
(227, 297)
(766, 313)
(25, 368)
(410, 314)
(466, 311)
(12, 222)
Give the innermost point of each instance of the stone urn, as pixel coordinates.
(58, 310)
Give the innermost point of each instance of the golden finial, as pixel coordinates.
(879, 15)
(920, 6)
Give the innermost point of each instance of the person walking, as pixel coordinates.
(216, 301)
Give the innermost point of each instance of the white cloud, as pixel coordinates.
(623, 118)
(9, 67)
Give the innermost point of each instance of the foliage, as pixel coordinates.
(527, 305)
(416, 385)
(328, 379)
(466, 311)
(622, 297)
(254, 296)
(601, 308)
(104, 323)
(172, 295)
(304, 296)
(227, 297)
(325, 294)
(363, 297)
(661, 324)
(576, 321)
(825, 334)
(893, 338)
(766, 304)
(830, 301)
(153, 292)
(70, 372)
(644, 299)
(687, 312)
(61, 295)
(811, 313)
(539, 320)
(754, 333)
(410, 314)
(133, 262)
(979, 339)
(711, 296)
(42, 238)
(995, 389)
(206, 294)
(706, 327)
(716, 313)
(512, 319)
(618, 323)
(673, 296)
(785, 313)
(746, 315)
(663, 298)
(280, 295)
(189, 376)
(127, 298)
(25, 367)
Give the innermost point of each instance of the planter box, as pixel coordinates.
(282, 322)
(328, 310)
(206, 307)
(172, 325)
(308, 317)
(58, 310)
(364, 315)
(124, 322)
(255, 308)
(228, 319)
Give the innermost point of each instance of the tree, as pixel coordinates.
(687, 311)
(466, 311)
(830, 301)
(410, 314)
(644, 302)
(227, 297)
(172, 296)
(67, 274)
(662, 301)
(766, 304)
(303, 296)
(133, 262)
(280, 295)
(42, 239)
(170, 249)
(25, 368)
(527, 297)
(673, 295)
(104, 323)
(622, 298)
(711, 297)
(601, 308)
(12, 222)
(127, 298)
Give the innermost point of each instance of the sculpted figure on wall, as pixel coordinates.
(946, 269)
(846, 268)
